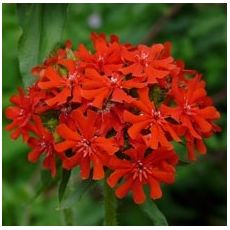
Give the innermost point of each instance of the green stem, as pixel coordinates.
(68, 216)
(110, 205)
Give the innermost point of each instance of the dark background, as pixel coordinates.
(199, 36)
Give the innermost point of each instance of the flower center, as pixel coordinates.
(156, 114)
(113, 79)
(84, 147)
(100, 58)
(43, 144)
(100, 61)
(140, 171)
(22, 112)
(142, 57)
(73, 76)
(188, 109)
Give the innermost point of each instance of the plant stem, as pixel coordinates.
(110, 205)
(68, 216)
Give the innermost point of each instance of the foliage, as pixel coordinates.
(45, 33)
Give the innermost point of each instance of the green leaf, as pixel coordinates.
(46, 181)
(42, 27)
(110, 203)
(153, 212)
(46, 178)
(183, 163)
(81, 189)
(62, 187)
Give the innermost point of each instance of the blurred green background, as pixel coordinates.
(199, 36)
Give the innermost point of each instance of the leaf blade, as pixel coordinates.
(42, 27)
(64, 181)
(153, 212)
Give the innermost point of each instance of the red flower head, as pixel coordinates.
(42, 144)
(100, 88)
(86, 145)
(141, 168)
(62, 87)
(107, 57)
(153, 120)
(20, 114)
(149, 63)
(195, 113)
(120, 107)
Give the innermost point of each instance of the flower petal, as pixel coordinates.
(116, 176)
(108, 145)
(85, 167)
(123, 189)
(49, 163)
(98, 170)
(12, 112)
(60, 98)
(138, 193)
(120, 95)
(155, 189)
(67, 133)
(209, 112)
(136, 128)
(204, 125)
(71, 162)
(197, 95)
(136, 69)
(65, 145)
(34, 155)
(166, 177)
(69, 64)
(200, 146)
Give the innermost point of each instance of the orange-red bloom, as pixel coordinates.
(21, 113)
(195, 113)
(153, 120)
(106, 59)
(42, 144)
(101, 88)
(121, 107)
(86, 144)
(62, 87)
(149, 63)
(142, 168)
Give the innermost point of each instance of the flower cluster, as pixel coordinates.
(119, 108)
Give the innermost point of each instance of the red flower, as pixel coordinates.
(141, 169)
(62, 87)
(192, 144)
(149, 63)
(74, 77)
(107, 57)
(53, 80)
(99, 88)
(196, 113)
(85, 144)
(20, 114)
(95, 105)
(42, 144)
(152, 119)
